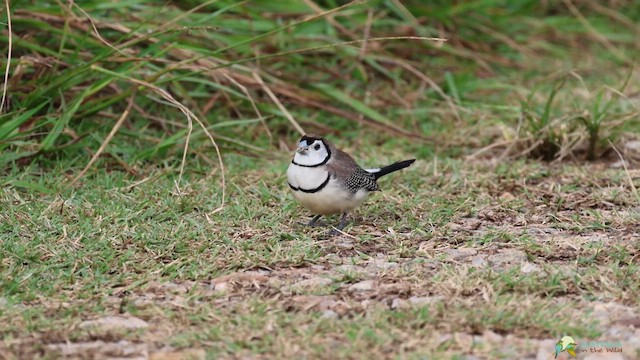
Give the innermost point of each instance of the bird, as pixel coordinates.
(327, 180)
(566, 344)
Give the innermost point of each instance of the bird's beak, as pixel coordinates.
(302, 149)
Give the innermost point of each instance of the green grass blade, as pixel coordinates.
(10, 127)
(31, 186)
(355, 104)
(61, 123)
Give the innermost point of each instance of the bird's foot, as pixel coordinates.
(338, 230)
(313, 222)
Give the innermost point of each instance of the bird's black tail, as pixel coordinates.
(393, 167)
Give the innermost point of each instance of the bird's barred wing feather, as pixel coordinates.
(352, 176)
(361, 179)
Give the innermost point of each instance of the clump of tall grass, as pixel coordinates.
(94, 78)
(586, 122)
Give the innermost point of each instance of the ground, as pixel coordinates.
(464, 259)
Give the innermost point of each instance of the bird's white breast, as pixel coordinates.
(332, 198)
(306, 177)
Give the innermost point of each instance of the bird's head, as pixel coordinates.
(312, 151)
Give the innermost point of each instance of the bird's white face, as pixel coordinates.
(311, 152)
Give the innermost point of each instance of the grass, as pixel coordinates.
(514, 227)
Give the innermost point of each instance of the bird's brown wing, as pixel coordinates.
(349, 173)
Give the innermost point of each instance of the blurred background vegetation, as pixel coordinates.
(121, 80)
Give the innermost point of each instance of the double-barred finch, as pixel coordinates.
(327, 180)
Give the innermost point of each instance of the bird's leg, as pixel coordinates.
(313, 221)
(343, 221)
(341, 225)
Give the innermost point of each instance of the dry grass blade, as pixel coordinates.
(253, 104)
(279, 104)
(341, 232)
(366, 35)
(574, 10)
(330, 19)
(626, 170)
(526, 52)
(405, 12)
(425, 78)
(194, 10)
(6, 71)
(95, 30)
(616, 16)
(622, 95)
(490, 147)
(342, 43)
(106, 141)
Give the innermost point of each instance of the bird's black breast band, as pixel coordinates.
(312, 166)
(310, 141)
(311, 191)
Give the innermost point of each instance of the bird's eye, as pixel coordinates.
(317, 147)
